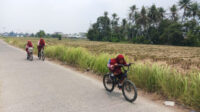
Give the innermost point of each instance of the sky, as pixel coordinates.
(67, 16)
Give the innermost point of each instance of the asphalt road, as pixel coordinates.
(39, 86)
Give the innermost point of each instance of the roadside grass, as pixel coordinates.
(182, 87)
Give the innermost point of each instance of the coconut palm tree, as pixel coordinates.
(106, 14)
(114, 15)
(131, 14)
(114, 20)
(124, 29)
(185, 5)
(194, 8)
(153, 15)
(161, 13)
(174, 15)
(143, 21)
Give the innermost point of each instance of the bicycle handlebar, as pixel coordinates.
(121, 65)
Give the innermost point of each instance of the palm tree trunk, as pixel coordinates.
(183, 16)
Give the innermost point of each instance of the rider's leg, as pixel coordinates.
(27, 52)
(121, 79)
(119, 76)
(39, 49)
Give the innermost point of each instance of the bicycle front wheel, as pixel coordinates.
(43, 56)
(129, 91)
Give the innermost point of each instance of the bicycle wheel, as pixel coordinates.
(108, 83)
(39, 55)
(31, 57)
(42, 55)
(129, 91)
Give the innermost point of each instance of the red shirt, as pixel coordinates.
(41, 42)
(112, 62)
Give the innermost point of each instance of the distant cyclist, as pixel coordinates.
(41, 44)
(29, 45)
(115, 69)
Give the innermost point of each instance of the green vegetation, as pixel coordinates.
(41, 33)
(151, 26)
(184, 88)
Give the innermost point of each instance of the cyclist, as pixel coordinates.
(28, 45)
(41, 44)
(116, 70)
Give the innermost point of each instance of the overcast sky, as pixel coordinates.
(67, 16)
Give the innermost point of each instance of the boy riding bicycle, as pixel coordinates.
(41, 44)
(114, 67)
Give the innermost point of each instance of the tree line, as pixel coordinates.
(151, 25)
(42, 33)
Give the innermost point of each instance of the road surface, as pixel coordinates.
(39, 86)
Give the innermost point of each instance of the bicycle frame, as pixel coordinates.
(116, 80)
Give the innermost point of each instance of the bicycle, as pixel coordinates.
(129, 89)
(41, 54)
(30, 54)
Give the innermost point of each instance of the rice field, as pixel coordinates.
(147, 73)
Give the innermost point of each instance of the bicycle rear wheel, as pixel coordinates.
(129, 91)
(108, 83)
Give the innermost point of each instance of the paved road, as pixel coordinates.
(38, 86)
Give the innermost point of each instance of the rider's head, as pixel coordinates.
(120, 59)
(29, 42)
(41, 40)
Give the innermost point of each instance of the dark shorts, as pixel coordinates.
(40, 47)
(120, 76)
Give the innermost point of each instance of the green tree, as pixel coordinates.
(198, 14)
(143, 21)
(132, 12)
(151, 26)
(174, 15)
(115, 29)
(32, 35)
(173, 35)
(194, 8)
(124, 29)
(132, 18)
(41, 33)
(161, 13)
(101, 29)
(153, 15)
(143, 18)
(185, 5)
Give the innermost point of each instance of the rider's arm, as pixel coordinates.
(110, 65)
(38, 43)
(125, 64)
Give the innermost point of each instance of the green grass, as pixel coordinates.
(184, 88)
